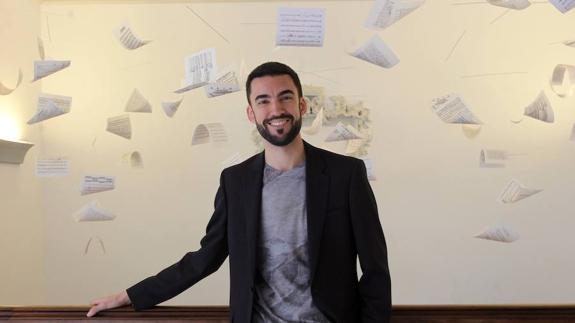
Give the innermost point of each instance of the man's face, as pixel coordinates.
(276, 108)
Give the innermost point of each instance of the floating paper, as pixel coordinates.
(207, 132)
(369, 168)
(492, 158)
(498, 233)
(134, 159)
(572, 138)
(540, 109)
(170, 108)
(96, 184)
(342, 132)
(384, 13)
(52, 167)
(316, 124)
(187, 87)
(570, 43)
(4, 90)
(511, 4)
(92, 212)
(227, 83)
(471, 130)
(234, 159)
(514, 192)
(46, 67)
(120, 126)
(200, 68)
(375, 51)
(563, 5)
(563, 80)
(137, 103)
(50, 106)
(353, 146)
(452, 109)
(300, 27)
(127, 37)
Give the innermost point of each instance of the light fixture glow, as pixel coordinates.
(9, 129)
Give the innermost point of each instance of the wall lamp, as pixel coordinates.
(13, 151)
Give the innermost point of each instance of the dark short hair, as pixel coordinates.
(272, 69)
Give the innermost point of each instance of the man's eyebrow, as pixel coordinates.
(286, 92)
(262, 96)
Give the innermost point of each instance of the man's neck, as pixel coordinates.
(285, 157)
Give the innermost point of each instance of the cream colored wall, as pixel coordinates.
(433, 197)
(21, 209)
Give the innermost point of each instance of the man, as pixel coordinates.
(293, 220)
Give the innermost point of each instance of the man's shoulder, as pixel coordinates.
(332, 158)
(242, 167)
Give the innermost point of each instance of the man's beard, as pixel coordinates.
(287, 138)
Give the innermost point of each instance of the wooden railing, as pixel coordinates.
(219, 314)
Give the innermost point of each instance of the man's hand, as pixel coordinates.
(109, 302)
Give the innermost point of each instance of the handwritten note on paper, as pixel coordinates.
(300, 27)
(52, 167)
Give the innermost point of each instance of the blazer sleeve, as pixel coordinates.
(192, 267)
(375, 282)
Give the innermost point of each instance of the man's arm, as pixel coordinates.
(375, 282)
(180, 276)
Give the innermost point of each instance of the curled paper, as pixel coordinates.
(499, 234)
(343, 132)
(44, 68)
(93, 212)
(377, 52)
(384, 13)
(50, 106)
(452, 109)
(4, 90)
(511, 4)
(127, 38)
(514, 192)
(207, 132)
(120, 125)
(171, 107)
(563, 80)
(540, 109)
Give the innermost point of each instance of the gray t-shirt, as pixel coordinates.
(283, 280)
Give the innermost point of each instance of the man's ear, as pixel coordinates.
(250, 113)
(302, 106)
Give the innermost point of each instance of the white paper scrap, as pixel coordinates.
(52, 167)
(342, 132)
(384, 13)
(4, 90)
(200, 69)
(44, 68)
(120, 125)
(93, 212)
(563, 80)
(171, 107)
(97, 183)
(137, 103)
(498, 233)
(471, 130)
(353, 146)
(134, 159)
(572, 138)
(514, 192)
(316, 125)
(225, 84)
(127, 38)
(50, 106)
(540, 109)
(300, 27)
(511, 4)
(375, 51)
(492, 158)
(570, 43)
(452, 109)
(369, 168)
(563, 5)
(204, 133)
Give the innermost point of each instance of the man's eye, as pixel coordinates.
(262, 102)
(286, 98)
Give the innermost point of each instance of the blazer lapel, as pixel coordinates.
(317, 183)
(252, 196)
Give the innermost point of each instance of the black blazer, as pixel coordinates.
(343, 224)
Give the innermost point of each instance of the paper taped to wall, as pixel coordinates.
(300, 27)
(52, 167)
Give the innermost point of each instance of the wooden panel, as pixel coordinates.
(219, 314)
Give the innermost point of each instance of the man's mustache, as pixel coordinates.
(281, 116)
